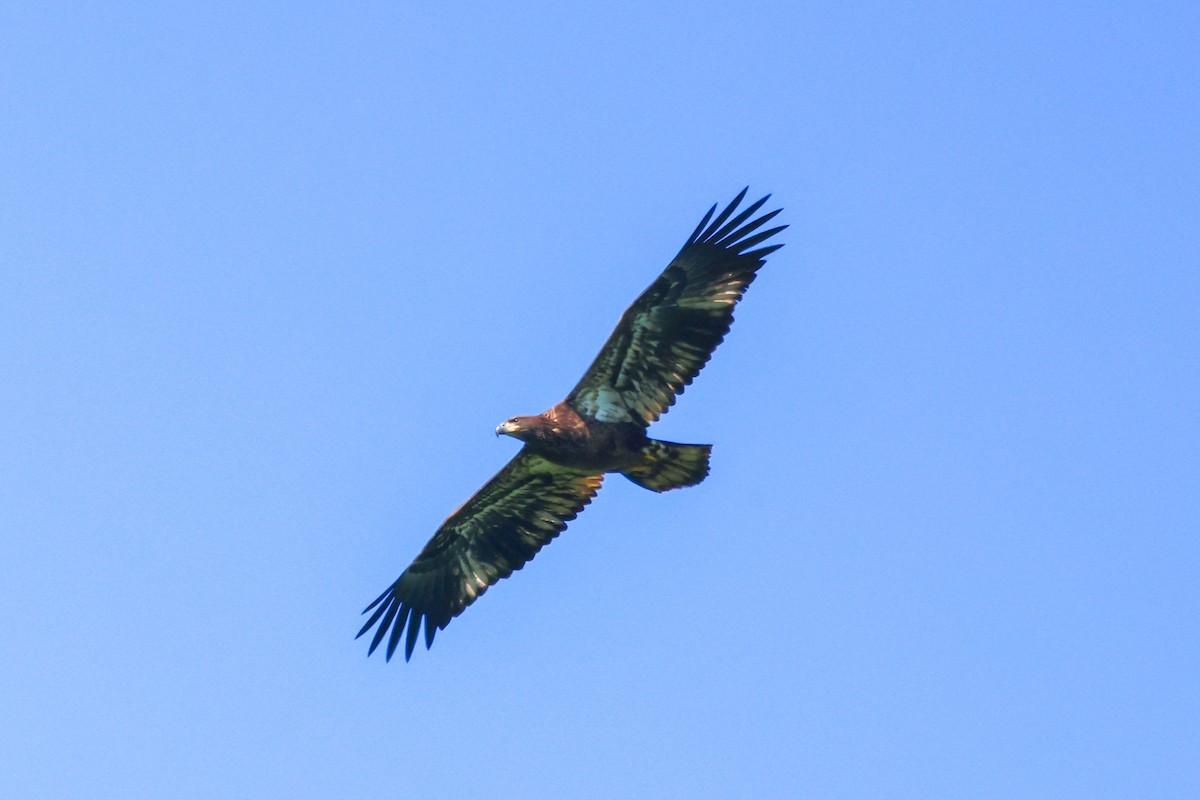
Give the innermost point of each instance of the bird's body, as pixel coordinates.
(567, 438)
(662, 341)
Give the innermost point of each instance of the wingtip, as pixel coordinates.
(430, 631)
(700, 228)
(414, 630)
(379, 611)
(720, 227)
(397, 628)
(384, 624)
(737, 227)
(379, 599)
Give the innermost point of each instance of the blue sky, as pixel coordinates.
(271, 274)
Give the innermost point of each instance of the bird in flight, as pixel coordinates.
(661, 343)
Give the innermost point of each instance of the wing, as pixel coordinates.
(667, 336)
(504, 525)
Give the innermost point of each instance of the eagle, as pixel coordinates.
(659, 346)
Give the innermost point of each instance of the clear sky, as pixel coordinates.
(270, 274)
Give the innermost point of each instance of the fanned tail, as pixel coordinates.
(666, 465)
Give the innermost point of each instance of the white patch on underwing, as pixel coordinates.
(609, 406)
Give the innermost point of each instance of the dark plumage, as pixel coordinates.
(661, 343)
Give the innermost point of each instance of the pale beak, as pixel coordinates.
(505, 428)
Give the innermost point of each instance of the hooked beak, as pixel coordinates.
(506, 428)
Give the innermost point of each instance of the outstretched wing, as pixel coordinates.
(667, 336)
(504, 525)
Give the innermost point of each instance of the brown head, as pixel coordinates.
(523, 428)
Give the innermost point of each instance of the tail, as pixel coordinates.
(666, 465)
